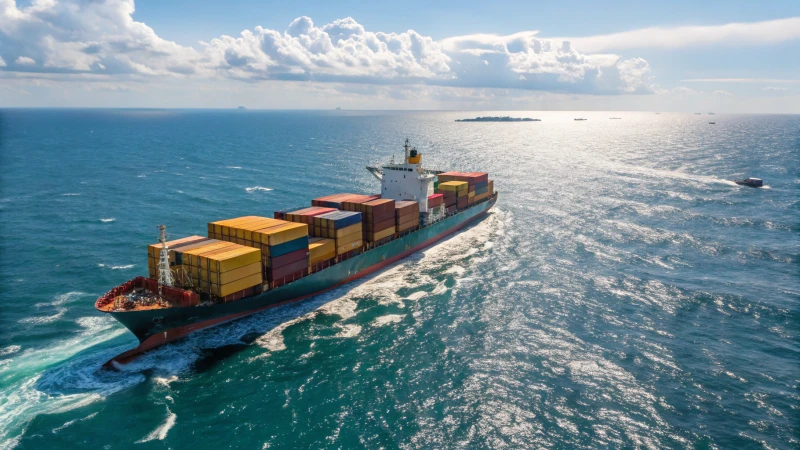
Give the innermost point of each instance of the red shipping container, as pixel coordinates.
(281, 272)
(280, 261)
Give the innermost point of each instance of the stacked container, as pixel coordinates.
(223, 269)
(435, 201)
(321, 252)
(344, 227)
(456, 194)
(283, 245)
(406, 215)
(335, 200)
(379, 220)
(306, 215)
(355, 203)
(154, 256)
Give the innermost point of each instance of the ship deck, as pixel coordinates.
(148, 301)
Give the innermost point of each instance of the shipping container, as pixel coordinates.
(282, 260)
(321, 249)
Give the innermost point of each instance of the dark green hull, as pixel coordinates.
(155, 327)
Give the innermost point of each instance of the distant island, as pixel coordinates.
(241, 108)
(499, 119)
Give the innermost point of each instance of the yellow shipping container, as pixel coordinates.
(235, 274)
(374, 237)
(355, 228)
(191, 257)
(320, 249)
(283, 233)
(349, 247)
(349, 238)
(454, 186)
(222, 290)
(233, 259)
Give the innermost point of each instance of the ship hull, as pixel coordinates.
(159, 326)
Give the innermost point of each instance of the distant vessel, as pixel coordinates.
(499, 119)
(658, 113)
(249, 264)
(712, 123)
(710, 114)
(338, 108)
(752, 182)
(697, 114)
(615, 118)
(580, 118)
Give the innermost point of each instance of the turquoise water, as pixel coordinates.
(623, 293)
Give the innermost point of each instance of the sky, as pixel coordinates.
(723, 56)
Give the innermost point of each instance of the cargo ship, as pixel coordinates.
(249, 264)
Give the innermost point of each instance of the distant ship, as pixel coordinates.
(338, 108)
(710, 114)
(712, 123)
(752, 182)
(615, 118)
(249, 264)
(580, 118)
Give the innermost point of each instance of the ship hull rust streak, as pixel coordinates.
(172, 334)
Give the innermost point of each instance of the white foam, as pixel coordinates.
(416, 295)
(232, 167)
(109, 220)
(70, 194)
(348, 331)
(252, 189)
(10, 350)
(72, 422)
(160, 433)
(39, 320)
(387, 319)
(127, 266)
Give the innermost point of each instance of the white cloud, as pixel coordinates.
(2, 62)
(722, 94)
(24, 60)
(740, 80)
(754, 33)
(101, 37)
(774, 89)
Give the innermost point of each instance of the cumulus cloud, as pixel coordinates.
(100, 37)
(774, 89)
(754, 33)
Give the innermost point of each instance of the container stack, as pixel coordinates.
(321, 252)
(406, 215)
(435, 200)
(379, 220)
(335, 200)
(283, 245)
(224, 270)
(456, 194)
(344, 227)
(355, 203)
(154, 256)
(306, 215)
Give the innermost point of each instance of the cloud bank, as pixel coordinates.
(80, 38)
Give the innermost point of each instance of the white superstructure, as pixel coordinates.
(407, 180)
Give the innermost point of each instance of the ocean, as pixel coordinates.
(623, 292)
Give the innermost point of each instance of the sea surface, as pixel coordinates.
(623, 293)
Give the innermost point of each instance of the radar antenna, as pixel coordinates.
(164, 273)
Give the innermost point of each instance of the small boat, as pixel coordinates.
(697, 114)
(712, 123)
(710, 114)
(615, 118)
(752, 182)
(579, 118)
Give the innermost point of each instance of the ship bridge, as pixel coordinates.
(407, 180)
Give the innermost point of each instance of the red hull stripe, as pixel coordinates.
(179, 332)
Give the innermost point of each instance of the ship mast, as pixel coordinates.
(164, 273)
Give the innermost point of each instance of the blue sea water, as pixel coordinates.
(623, 293)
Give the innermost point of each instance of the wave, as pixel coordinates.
(109, 220)
(72, 422)
(70, 194)
(10, 350)
(232, 167)
(250, 190)
(125, 267)
(51, 380)
(161, 431)
(42, 320)
(387, 319)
